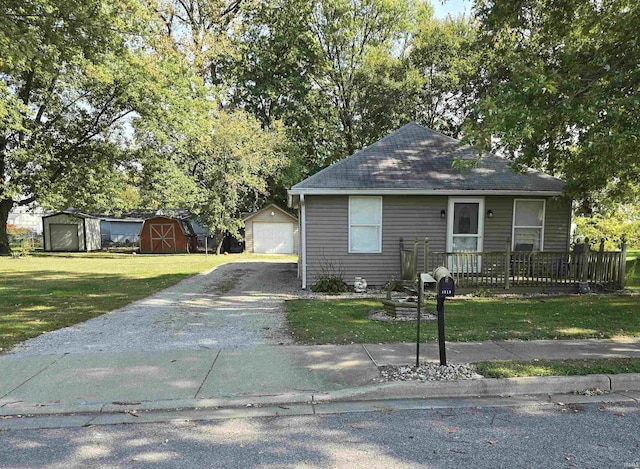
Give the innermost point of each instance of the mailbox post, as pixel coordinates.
(445, 288)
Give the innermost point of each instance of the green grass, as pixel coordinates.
(45, 292)
(515, 369)
(632, 278)
(345, 321)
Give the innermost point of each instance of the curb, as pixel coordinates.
(403, 390)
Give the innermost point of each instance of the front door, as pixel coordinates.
(465, 229)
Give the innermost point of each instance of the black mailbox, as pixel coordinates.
(446, 287)
(445, 283)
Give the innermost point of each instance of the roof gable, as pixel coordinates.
(269, 207)
(415, 158)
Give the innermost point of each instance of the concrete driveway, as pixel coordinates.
(238, 305)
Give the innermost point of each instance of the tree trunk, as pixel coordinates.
(220, 241)
(5, 207)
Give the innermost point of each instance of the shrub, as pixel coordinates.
(393, 285)
(331, 278)
(23, 250)
(330, 284)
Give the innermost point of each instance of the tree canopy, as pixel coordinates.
(560, 91)
(219, 106)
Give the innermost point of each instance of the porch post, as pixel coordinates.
(584, 271)
(623, 261)
(426, 255)
(507, 262)
(599, 273)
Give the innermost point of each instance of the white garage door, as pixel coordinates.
(64, 237)
(273, 238)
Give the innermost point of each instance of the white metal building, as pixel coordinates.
(71, 231)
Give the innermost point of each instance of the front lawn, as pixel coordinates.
(345, 320)
(45, 292)
(632, 278)
(516, 369)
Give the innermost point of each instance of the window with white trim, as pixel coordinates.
(365, 224)
(528, 224)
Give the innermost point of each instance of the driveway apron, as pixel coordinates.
(238, 305)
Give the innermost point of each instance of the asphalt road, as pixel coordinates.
(594, 435)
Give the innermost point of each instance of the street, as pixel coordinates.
(596, 434)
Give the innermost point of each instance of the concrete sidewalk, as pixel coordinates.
(106, 382)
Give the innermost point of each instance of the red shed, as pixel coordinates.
(166, 235)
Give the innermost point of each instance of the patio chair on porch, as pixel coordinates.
(521, 259)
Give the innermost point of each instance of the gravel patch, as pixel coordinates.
(428, 372)
(384, 317)
(238, 305)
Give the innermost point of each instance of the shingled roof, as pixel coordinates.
(417, 159)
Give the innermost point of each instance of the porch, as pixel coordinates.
(535, 270)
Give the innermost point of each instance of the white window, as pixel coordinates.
(365, 224)
(528, 224)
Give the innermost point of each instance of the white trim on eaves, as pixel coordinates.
(447, 192)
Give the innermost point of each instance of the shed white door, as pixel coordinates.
(273, 238)
(64, 237)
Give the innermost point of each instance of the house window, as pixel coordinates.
(528, 224)
(365, 224)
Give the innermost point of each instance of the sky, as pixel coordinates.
(454, 7)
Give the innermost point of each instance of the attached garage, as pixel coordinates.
(71, 231)
(166, 235)
(271, 230)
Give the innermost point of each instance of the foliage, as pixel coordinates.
(393, 285)
(199, 156)
(445, 63)
(350, 33)
(515, 369)
(330, 279)
(560, 92)
(330, 284)
(571, 317)
(73, 73)
(24, 250)
(482, 293)
(613, 224)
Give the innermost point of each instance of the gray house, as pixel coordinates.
(354, 213)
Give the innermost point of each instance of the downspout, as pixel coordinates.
(84, 230)
(44, 234)
(303, 239)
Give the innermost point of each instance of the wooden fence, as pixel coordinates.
(530, 269)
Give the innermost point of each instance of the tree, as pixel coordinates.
(200, 155)
(348, 33)
(561, 91)
(73, 73)
(217, 166)
(446, 63)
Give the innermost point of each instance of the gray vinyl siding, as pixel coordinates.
(557, 224)
(406, 217)
(265, 217)
(409, 217)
